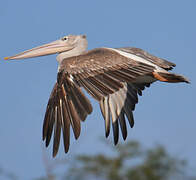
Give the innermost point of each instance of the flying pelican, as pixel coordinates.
(113, 76)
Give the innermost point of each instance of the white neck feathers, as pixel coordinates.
(79, 48)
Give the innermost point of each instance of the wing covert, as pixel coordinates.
(109, 78)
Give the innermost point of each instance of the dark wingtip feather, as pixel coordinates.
(57, 131)
(132, 122)
(123, 125)
(66, 149)
(107, 133)
(129, 115)
(104, 106)
(50, 129)
(115, 132)
(77, 134)
(65, 127)
(45, 125)
(48, 113)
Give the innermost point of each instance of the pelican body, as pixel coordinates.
(113, 76)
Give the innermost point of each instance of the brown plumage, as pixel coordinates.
(113, 77)
(109, 78)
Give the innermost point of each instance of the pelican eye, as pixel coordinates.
(64, 38)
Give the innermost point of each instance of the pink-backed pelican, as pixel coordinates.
(112, 76)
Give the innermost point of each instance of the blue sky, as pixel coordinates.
(166, 112)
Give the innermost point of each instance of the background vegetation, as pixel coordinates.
(127, 161)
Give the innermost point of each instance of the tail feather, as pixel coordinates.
(170, 77)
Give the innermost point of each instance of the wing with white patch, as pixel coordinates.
(114, 77)
(102, 71)
(151, 58)
(108, 77)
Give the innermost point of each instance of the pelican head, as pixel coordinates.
(67, 46)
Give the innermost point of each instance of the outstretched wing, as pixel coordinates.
(115, 107)
(111, 78)
(67, 106)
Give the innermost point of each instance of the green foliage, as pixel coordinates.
(131, 161)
